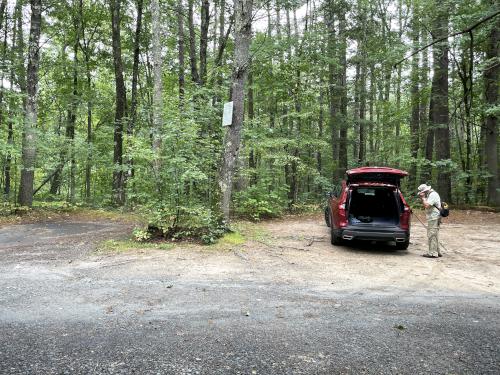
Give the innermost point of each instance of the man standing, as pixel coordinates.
(431, 202)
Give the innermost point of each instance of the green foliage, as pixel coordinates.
(189, 223)
(260, 201)
(141, 234)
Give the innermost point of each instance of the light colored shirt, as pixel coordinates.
(432, 213)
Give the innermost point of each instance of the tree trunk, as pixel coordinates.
(205, 21)
(333, 97)
(343, 90)
(30, 119)
(491, 77)
(135, 69)
(121, 106)
(86, 53)
(440, 115)
(415, 102)
(180, 24)
(70, 129)
(135, 78)
(425, 120)
(192, 45)
(157, 91)
(10, 117)
(252, 162)
(362, 111)
(232, 141)
(355, 149)
(3, 12)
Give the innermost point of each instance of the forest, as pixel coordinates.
(119, 103)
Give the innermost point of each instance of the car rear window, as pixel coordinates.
(366, 191)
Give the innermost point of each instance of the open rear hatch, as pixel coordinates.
(383, 175)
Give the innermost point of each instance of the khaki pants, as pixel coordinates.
(433, 237)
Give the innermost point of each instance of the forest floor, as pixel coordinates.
(277, 298)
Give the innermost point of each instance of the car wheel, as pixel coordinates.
(334, 239)
(402, 245)
(327, 216)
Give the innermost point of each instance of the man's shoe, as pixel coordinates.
(429, 256)
(440, 255)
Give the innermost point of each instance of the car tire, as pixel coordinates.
(402, 245)
(327, 216)
(334, 239)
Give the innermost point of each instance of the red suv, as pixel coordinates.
(370, 206)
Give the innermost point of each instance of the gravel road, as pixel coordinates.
(283, 302)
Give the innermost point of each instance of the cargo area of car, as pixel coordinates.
(377, 206)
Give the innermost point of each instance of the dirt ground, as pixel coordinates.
(279, 299)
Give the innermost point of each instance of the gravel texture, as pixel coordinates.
(291, 304)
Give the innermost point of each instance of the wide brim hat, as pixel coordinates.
(423, 188)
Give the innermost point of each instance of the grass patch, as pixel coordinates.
(121, 246)
(233, 238)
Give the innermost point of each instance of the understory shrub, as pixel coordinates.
(175, 223)
(259, 202)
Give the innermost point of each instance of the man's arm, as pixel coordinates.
(425, 201)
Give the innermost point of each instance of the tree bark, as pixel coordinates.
(252, 162)
(31, 115)
(440, 115)
(491, 78)
(425, 114)
(70, 129)
(88, 71)
(333, 94)
(135, 69)
(205, 21)
(135, 78)
(121, 106)
(192, 45)
(342, 38)
(3, 12)
(415, 102)
(157, 91)
(180, 25)
(10, 127)
(355, 148)
(362, 111)
(232, 141)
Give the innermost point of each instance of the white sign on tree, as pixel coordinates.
(227, 117)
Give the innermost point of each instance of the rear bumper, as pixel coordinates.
(373, 234)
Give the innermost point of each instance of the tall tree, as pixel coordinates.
(180, 26)
(31, 114)
(439, 111)
(415, 102)
(192, 44)
(157, 90)
(120, 107)
(491, 77)
(342, 84)
(135, 80)
(205, 21)
(232, 141)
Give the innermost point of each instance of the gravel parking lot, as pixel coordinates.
(282, 300)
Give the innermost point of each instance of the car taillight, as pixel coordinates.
(342, 216)
(404, 219)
